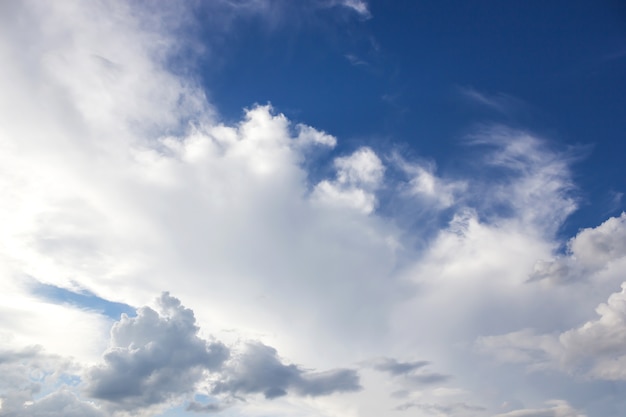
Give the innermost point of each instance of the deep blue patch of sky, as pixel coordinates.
(402, 78)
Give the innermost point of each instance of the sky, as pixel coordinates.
(315, 208)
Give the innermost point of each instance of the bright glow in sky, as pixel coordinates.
(316, 208)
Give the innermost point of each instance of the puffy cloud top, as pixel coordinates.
(154, 357)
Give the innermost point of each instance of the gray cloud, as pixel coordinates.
(393, 367)
(428, 378)
(63, 403)
(154, 357)
(12, 356)
(447, 409)
(197, 407)
(556, 408)
(158, 356)
(230, 201)
(411, 372)
(23, 375)
(16, 384)
(258, 369)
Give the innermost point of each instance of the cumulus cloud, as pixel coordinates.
(26, 376)
(258, 369)
(154, 357)
(358, 176)
(602, 342)
(17, 387)
(590, 251)
(595, 349)
(63, 403)
(118, 175)
(308, 136)
(595, 247)
(158, 357)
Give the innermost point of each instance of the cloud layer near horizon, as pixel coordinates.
(120, 178)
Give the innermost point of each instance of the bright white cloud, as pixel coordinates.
(358, 177)
(309, 136)
(358, 6)
(601, 341)
(540, 194)
(426, 186)
(599, 246)
(594, 254)
(596, 348)
(120, 178)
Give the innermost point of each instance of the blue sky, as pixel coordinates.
(422, 75)
(312, 208)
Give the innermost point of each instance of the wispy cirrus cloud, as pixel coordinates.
(555, 408)
(360, 7)
(121, 179)
(502, 103)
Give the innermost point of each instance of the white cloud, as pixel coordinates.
(595, 349)
(593, 255)
(556, 408)
(528, 179)
(362, 168)
(26, 320)
(358, 6)
(309, 136)
(158, 358)
(499, 102)
(602, 342)
(119, 178)
(25, 376)
(597, 247)
(358, 176)
(63, 403)
(426, 186)
(118, 200)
